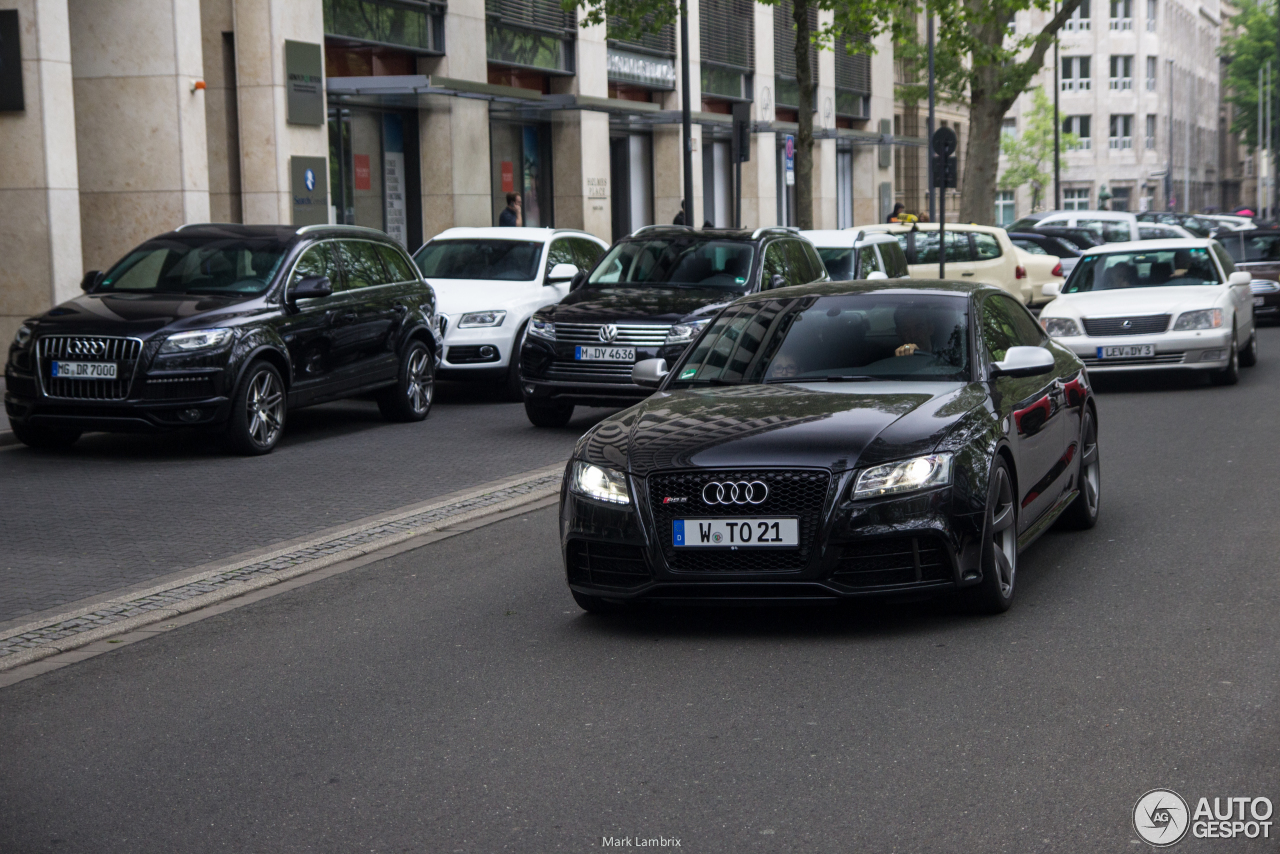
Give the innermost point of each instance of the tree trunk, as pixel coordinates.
(804, 110)
(982, 155)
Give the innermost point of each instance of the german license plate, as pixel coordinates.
(1259, 301)
(740, 532)
(1127, 351)
(605, 354)
(84, 370)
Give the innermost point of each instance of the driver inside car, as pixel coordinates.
(915, 328)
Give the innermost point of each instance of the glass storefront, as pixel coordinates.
(373, 163)
(844, 187)
(631, 177)
(520, 161)
(717, 182)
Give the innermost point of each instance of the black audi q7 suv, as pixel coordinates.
(648, 297)
(227, 327)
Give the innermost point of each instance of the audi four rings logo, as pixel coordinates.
(739, 492)
(608, 333)
(86, 347)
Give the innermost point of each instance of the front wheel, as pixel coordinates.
(511, 383)
(1230, 375)
(44, 438)
(410, 398)
(1083, 512)
(994, 594)
(548, 414)
(1249, 357)
(257, 411)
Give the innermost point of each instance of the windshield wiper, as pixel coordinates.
(835, 379)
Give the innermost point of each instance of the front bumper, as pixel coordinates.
(548, 372)
(1197, 350)
(467, 356)
(901, 546)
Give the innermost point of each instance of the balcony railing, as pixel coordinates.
(1121, 83)
(1121, 142)
(1122, 23)
(1077, 84)
(1085, 144)
(1079, 24)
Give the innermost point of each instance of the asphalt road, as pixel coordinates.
(118, 509)
(454, 699)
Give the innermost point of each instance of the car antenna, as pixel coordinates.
(858, 239)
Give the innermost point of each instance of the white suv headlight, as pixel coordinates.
(683, 333)
(1060, 327)
(904, 476)
(199, 339)
(1210, 318)
(472, 319)
(602, 484)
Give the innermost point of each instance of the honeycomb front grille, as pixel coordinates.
(799, 493)
(892, 562)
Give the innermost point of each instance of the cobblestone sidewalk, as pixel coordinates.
(31, 642)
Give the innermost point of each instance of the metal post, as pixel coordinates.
(1168, 180)
(942, 220)
(928, 152)
(1258, 155)
(1057, 126)
(1271, 148)
(1186, 144)
(686, 120)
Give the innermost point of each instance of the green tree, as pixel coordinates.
(1249, 44)
(1029, 155)
(981, 63)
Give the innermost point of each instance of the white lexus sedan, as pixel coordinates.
(1156, 304)
(489, 282)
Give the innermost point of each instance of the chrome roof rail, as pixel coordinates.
(650, 227)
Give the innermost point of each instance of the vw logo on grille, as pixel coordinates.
(738, 492)
(608, 332)
(86, 347)
(1128, 324)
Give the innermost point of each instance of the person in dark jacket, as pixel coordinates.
(897, 209)
(511, 216)
(679, 220)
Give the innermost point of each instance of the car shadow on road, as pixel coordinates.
(1154, 381)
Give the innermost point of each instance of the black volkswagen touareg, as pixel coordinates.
(647, 298)
(227, 327)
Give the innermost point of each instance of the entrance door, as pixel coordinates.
(717, 184)
(620, 182)
(374, 172)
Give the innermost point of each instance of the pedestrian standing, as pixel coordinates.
(512, 216)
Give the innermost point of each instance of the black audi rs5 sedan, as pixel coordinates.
(226, 328)
(834, 441)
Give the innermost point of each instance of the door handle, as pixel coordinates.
(346, 317)
(970, 273)
(400, 308)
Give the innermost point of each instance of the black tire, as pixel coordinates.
(1249, 356)
(548, 414)
(994, 594)
(1230, 375)
(511, 385)
(45, 438)
(596, 605)
(409, 399)
(1083, 512)
(258, 409)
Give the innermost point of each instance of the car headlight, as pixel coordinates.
(1210, 318)
(472, 319)
(541, 327)
(683, 333)
(599, 483)
(199, 339)
(1060, 327)
(22, 336)
(904, 476)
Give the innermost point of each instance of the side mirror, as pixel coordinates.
(578, 281)
(649, 373)
(876, 275)
(777, 281)
(91, 280)
(1239, 277)
(562, 273)
(1052, 289)
(1023, 362)
(310, 288)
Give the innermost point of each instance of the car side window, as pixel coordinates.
(903, 240)
(1228, 266)
(561, 252)
(1028, 246)
(775, 264)
(801, 271)
(1007, 324)
(1029, 333)
(895, 260)
(319, 260)
(815, 262)
(868, 262)
(362, 265)
(987, 247)
(588, 251)
(927, 247)
(397, 265)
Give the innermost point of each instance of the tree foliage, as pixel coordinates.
(1029, 155)
(1248, 48)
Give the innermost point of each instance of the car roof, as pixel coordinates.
(499, 232)
(904, 227)
(865, 286)
(846, 238)
(1118, 216)
(744, 234)
(1151, 245)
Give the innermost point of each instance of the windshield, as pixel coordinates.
(236, 266)
(876, 336)
(501, 260)
(1143, 270)
(681, 262)
(839, 263)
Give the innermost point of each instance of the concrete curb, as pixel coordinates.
(52, 645)
(7, 438)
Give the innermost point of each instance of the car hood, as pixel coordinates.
(601, 305)
(139, 315)
(837, 427)
(455, 296)
(1136, 301)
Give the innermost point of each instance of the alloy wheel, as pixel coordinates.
(1003, 532)
(420, 382)
(1090, 476)
(265, 410)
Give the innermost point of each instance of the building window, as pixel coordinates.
(646, 60)
(1075, 200)
(412, 24)
(1120, 198)
(1122, 14)
(1151, 130)
(727, 39)
(853, 77)
(1079, 19)
(1004, 208)
(533, 34)
(1009, 128)
(1121, 132)
(786, 90)
(1076, 74)
(1151, 74)
(1122, 72)
(1080, 126)
(1151, 16)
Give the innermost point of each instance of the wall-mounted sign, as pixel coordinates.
(655, 71)
(508, 176)
(363, 176)
(10, 62)
(304, 83)
(597, 188)
(309, 189)
(789, 160)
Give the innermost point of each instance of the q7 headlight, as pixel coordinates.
(199, 339)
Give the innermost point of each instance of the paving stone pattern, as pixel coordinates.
(336, 546)
(119, 510)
